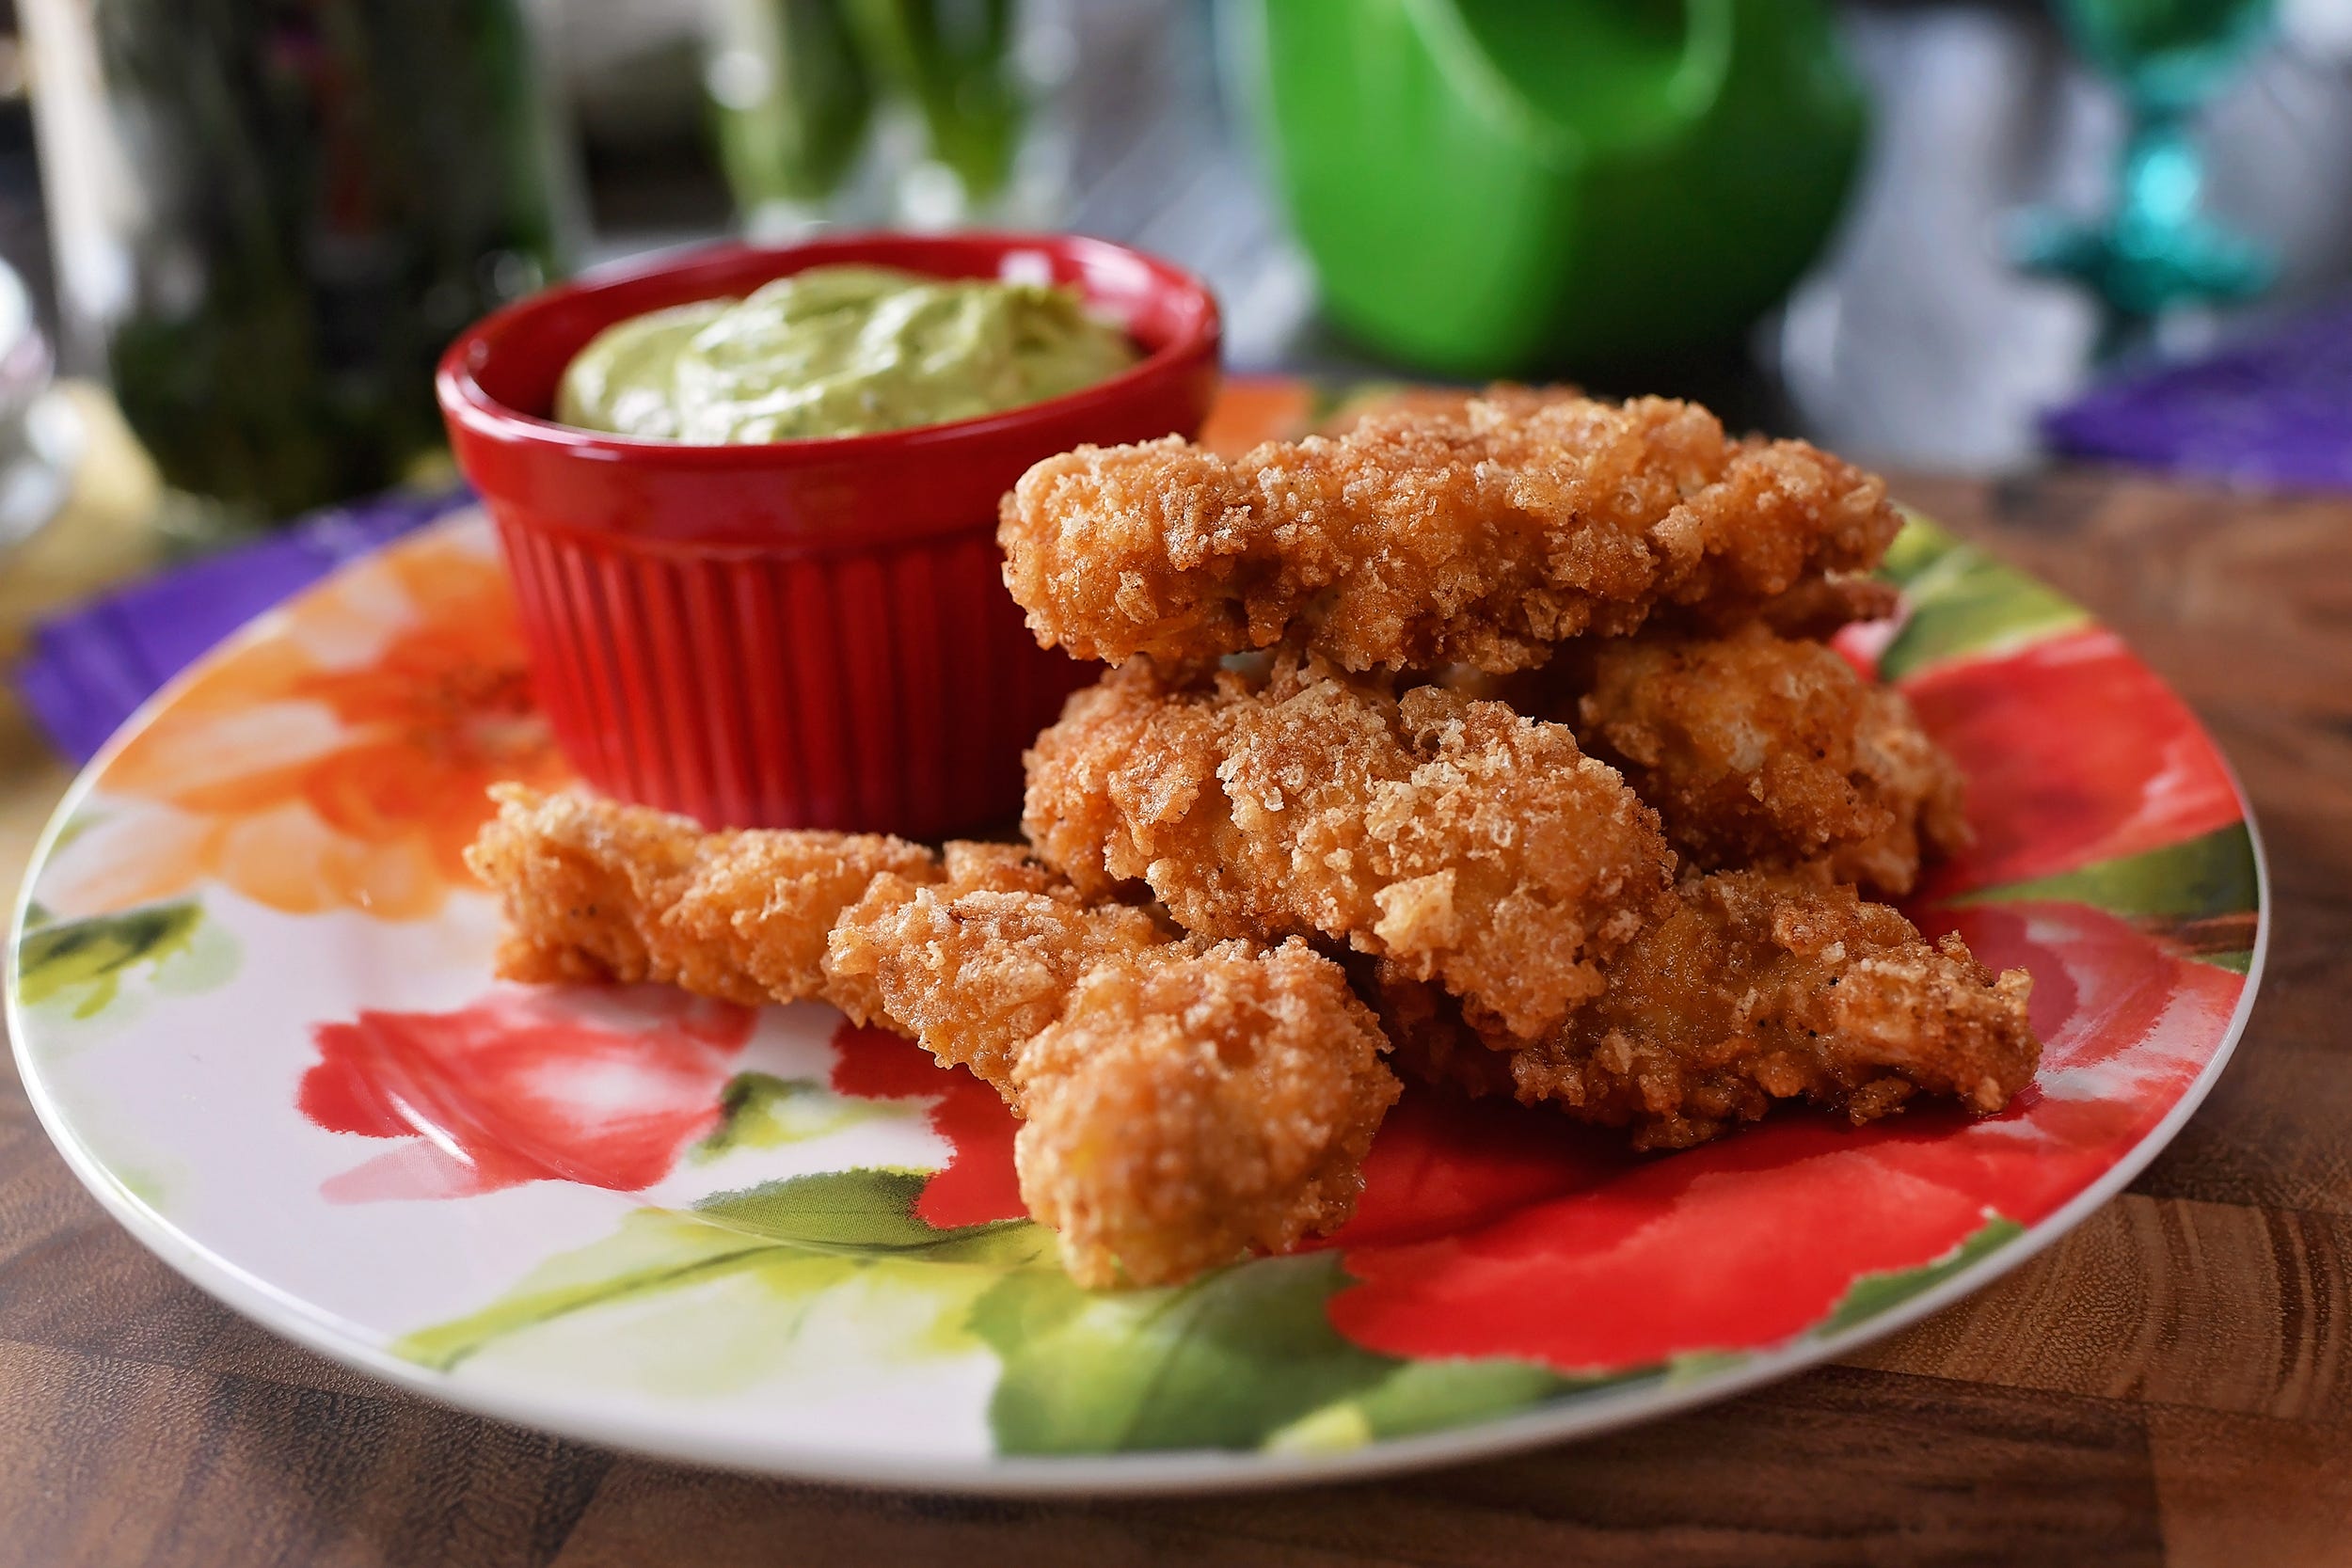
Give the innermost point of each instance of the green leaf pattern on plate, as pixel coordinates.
(1874, 1293)
(2202, 896)
(841, 1234)
(1223, 1362)
(1245, 1357)
(759, 1109)
(1430, 1396)
(1963, 601)
(79, 965)
(1242, 1359)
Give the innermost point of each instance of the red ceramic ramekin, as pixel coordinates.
(805, 633)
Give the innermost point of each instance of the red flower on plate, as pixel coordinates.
(2076, 753)
(603, 1088)
(1495, 1229)
(978, 1185)
(1744, 1244)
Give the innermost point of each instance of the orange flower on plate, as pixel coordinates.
(1254, 408)
(335, 757)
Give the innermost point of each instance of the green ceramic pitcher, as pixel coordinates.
(1507, 186)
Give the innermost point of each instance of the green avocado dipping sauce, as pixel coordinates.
(837, 351)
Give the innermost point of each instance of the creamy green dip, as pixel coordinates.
(837, 351)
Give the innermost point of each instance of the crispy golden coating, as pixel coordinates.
(1481, 536)
(599, 891)
(1816, 608)
(1464, 843)
(974, 966)
(1753, 988)
(1247, 1085)
(1189, 1106)
(1183, 1103)
(1762, 752)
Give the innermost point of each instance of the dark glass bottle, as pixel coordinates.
(282, 211)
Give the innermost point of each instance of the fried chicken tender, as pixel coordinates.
(1752, 989)
(1246, 1083)
(596, 892)
(1182, 1102)
(1465, 843)
(1761, 752)
(1480, 536)
(1817, 608)
(1259, 1072)
(976, 963)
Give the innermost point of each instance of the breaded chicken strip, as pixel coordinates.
(1249, 1082)
(1182, 1102)
(1185, 1109)
(596, 890)
(1467, 844)
(1762, 752)
(1816, 608)
(1752, 989)
(974, 963)
(1479, 537)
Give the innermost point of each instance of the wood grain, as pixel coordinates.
(2171, 1384)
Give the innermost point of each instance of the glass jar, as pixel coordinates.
(270, 216)
(77, 500)
(915, 113)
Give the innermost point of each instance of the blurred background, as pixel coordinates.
(1953, 236)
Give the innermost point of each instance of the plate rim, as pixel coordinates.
(1142, 1473)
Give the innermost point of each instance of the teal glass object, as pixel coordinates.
(1507, 186)
(2153, 249)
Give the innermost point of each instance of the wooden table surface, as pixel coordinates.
(2170, 1383)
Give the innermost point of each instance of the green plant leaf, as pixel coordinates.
(865, 1212)
(2202, 897)
(1245, 1357)
(955, 63)
(797, 139)
(2206, 877)
(1226, 1361)
(654, 1250)
(759, 1109)
(1874, 1293)
(82, 962)
(803, 1237)
(1963, 601)
(1431, 1395)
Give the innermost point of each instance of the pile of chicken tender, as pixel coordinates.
(1492, 744)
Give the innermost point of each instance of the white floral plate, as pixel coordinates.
(252, 1001)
